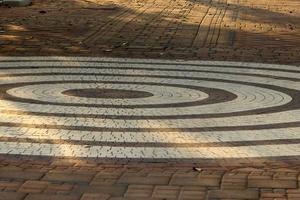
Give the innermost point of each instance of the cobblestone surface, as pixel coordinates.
(188, 111)
(86, 180)
(214, 129)
(264, 31)
(240, 30)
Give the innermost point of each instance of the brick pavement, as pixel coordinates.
(239, 30)
(264, 31)
(86, 180)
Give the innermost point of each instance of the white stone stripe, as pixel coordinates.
(36, 149)
(151, 137)
(82, 59)
(248, 120)
(141, 72)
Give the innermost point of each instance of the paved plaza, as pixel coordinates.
(150, 99)
(191, 129)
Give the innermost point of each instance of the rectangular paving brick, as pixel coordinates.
(59, 188)
(103, 181)
(93, 196)
(11, 196)
(192, 193)
(234, 181)
(114, 190)
(33, 186)
(233, 194)
(269, 183)
(72, 178)
(133, 198)
(105, 174)
(293, 196)
(147, 180)
(273, 195)
(10, 185)
(52, 197)
(19, 174)
(200, 180)
(139, 191)
(171, 192)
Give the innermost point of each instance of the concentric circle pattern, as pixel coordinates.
(148, 109)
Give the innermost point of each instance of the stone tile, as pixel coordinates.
(51, 197)
(11, 196)
(19, 174)
(133, 179)
(139, 191)
(233, 194)
(72, 178)
(114, 190)
(33, 186)
(94, 196)
(171, 192)
(267, 183)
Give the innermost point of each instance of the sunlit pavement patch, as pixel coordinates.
(148, 109)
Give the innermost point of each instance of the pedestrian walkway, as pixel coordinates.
(78, 180)
(86, 114)
(241, 30)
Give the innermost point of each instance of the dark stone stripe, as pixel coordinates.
(152, 144)
(193, 129)
(107, 93)
(215, 95)
(145, 63)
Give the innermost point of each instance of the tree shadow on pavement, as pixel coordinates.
(151, 29)
(173, 29)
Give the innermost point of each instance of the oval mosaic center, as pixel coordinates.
(107, 93)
